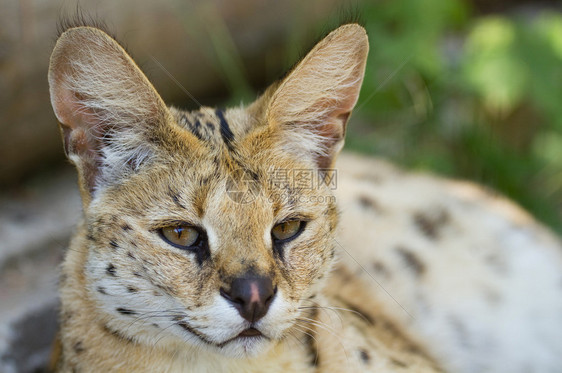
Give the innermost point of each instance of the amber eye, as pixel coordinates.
(182, 236)
(287, 230)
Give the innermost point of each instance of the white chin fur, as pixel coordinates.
(246, 347)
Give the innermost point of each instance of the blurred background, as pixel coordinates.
(470, 89)
(467, 88)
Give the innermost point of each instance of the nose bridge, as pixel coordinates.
(246, 259)
(244, 251)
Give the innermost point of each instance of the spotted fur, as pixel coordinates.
(133, 302)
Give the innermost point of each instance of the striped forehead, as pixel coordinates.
(216, 126)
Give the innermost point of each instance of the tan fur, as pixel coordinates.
(133, 303)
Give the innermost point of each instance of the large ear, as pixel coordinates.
(104, 104)
(313, 103)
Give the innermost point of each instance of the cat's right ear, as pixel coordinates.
(311, 106)
(104, 104)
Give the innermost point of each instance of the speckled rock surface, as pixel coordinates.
(35, 225)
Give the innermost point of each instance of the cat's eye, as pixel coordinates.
(182, 236)
(287, 230)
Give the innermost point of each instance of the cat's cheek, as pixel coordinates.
(306, 266)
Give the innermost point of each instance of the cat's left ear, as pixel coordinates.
(107, 109)
(312, 104)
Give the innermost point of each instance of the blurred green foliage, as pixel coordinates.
(467, 96)
(472, 97)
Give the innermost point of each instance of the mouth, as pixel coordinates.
(250, 332)
(247, 339)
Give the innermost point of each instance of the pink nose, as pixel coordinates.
(251, 295)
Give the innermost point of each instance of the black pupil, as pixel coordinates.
(288, 229)
(179, 232)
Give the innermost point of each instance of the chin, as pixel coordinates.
(246, 347)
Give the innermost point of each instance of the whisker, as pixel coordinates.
(319, 324)
(335, 309)
(160, 332)
(338, 338)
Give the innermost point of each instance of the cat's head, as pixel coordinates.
(212, 228)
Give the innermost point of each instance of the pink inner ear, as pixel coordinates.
(79, 125)
(80, 132)
(65, 105)
(78, 142)
(332, 132)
